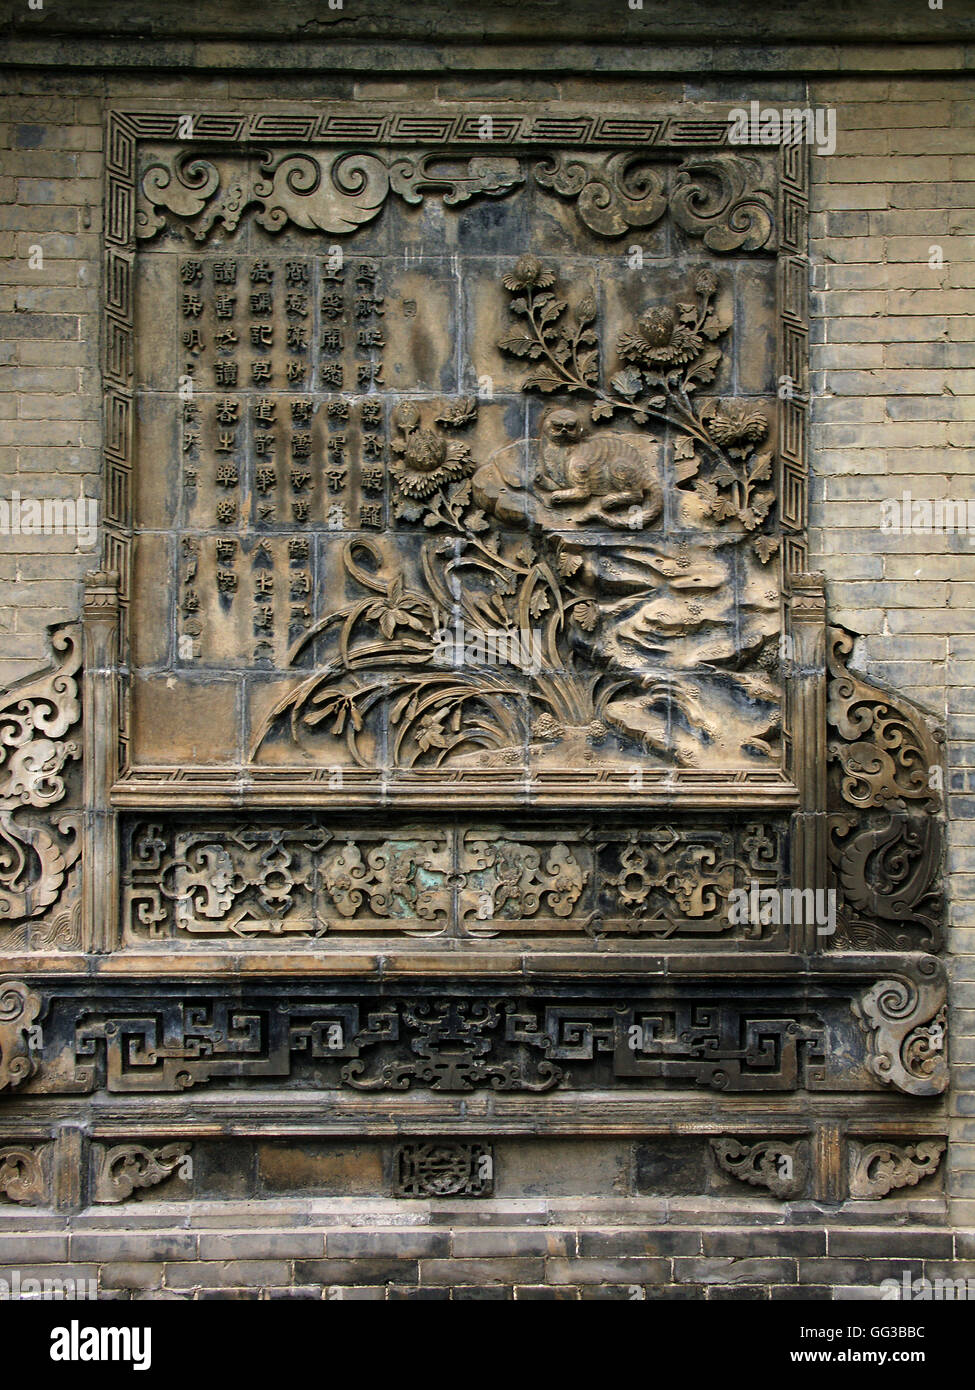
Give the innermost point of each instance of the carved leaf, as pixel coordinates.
(628, 382)
(542, 381)
(519, 345)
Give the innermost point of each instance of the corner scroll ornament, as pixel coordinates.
(879, 1168)
(19, 1008)
(120, 1170)
(612, 193)
(718, 198)
(35, 717)
(905, 1023)
(334, 193)
(886, 803)
(776, 1164)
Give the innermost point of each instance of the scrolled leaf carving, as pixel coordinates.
(886, 752)
(118, 1171)
(881, 1167)
(35, 717)
(331, 192)
(905, 1022)
(718, 198)
(19, 1008)
(613, 193)
(183, 187)
(886, 824)
(779, 1165)
(334, 195)
(22, 1173)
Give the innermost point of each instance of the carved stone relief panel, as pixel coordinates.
(450, 470)
(829, 1030)
(473, 880)
(454, 673)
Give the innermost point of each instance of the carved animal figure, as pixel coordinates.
(604, 473)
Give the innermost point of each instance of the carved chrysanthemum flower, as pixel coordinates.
(406, 416)
(734, 422)
(705, 282)
(528, 274)
(547, 728)
(660, 341)
(427, 462)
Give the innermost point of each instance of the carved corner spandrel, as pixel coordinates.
(904, 1020)
(885, 759)
(40, 742)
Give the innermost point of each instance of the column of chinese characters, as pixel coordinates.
(372, 465)
(297, 324)
(262, 578)
(369, 309)
(191, 625)
(299, 586)
(226, 471)
(299, 449)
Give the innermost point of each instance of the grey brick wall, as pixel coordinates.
(893, 364)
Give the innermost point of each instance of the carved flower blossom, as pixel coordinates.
(660, 340)
(528, 274)
(397, 610)
(547, 728)
(457, 413)
(428, 462)
(733, 422)
(705, 282)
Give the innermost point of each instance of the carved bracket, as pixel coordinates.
(879, 1168)
(23, 1173)
(119, 1170)
(905, 1022)
(886, 827)
(779, 1165)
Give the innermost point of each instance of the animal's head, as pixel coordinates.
(563, 426)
